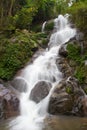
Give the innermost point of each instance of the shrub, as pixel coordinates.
(80, 74)
(16, 51)
(78, 60)
(79, 15)
(24, 17)
(74, 52)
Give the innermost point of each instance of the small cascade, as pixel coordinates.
(44, 68)
(70, 3)
(63, 31)
(43, 27)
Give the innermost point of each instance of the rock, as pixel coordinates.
(68, 98)
(64, 67)
(62, 51)
(60, 101)
(19, 84)
(80, 36)
(80, 106)
(9, 103)
(84, 105)
(40, 91)
(37, 54)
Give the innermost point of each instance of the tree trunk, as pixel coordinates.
(1, 16)
(11, 6)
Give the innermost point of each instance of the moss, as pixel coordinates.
(41, 35)
(69, 90)
(49, 25)
(36, 28)
(81, 73)
(74, 52)
(77, 61)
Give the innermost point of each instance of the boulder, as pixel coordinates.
(80, 36)
(68, 98)
(40, 91)
(64, 67)
(9, 103)
(60, 101)
(62, 51)
(19, 84)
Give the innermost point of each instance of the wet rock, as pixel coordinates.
(60, 101)
(84, 105)
(62, 51)
(37, 54)
(64, 67)
(40, 91)
(80, 36)
(19, 84)
(9, 103)
(68, 98)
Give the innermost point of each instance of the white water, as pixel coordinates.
(43, 68)
(71, 3)
(43, 27)
(63, 31)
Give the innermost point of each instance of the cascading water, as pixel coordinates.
(43, 27)
(63, 31)
(43, 69)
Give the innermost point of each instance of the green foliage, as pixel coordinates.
(80, 74)
(74, 52)
(49, 26)
(46, 10)
(79, 14)
(20, 14)
(78, 61)
(16, 51)
(68, 89)
(61, 6)
(24, 17)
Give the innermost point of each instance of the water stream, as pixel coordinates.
(44, 68)
(43, 27)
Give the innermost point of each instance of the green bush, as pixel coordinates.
(49, 26)
(79, 15)
(74, 52)
(45, 10)
(24, 17)
(80, 74)
(16, 51)
(78, 60)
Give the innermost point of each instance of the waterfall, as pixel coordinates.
(63, 31)
(44, 68)
(43, 27)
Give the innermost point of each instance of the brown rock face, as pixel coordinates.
(60, 101)
(40, 91)
(9, 103)
(68, 98)
(64, 67)
(84, 104)
(62, 51)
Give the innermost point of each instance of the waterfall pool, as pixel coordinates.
(57, 123)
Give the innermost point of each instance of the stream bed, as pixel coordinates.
(57, 123)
